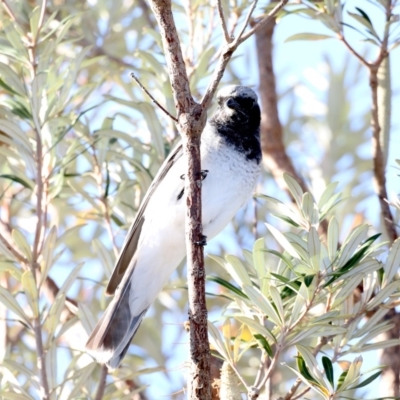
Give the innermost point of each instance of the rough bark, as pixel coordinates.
(272, 142)
(191, 121)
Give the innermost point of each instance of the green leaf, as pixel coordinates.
(314, 249)
(258, 258)
(263, 304)
(47, 253)
(309, 209)
(327, 193)
(86, 317)
(298, 306)
(281, 257)
(308, 280)
(292, 184)
(22, 243)
(281, 239)
(311, 362)
(17, 179)
(276, 297)
(29, 285)
(328, 367)
(255, 326)
(13, 80)
(303, 369)
(367, 381)
(11, 304)
(308, 36)
(227, 285)
(286, 219)
(383, 294)
(364, 15)
(333, 238)
(392, 263)
(342, 378)
(34, 22)
(237, 270)
(264, 343)
(366, 22)
(217, 342)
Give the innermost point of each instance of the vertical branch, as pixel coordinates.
(379, 157)
(199, 345)
(41, 210)
(272, 145)
(41, 361)
(191, 121)
(102, 382)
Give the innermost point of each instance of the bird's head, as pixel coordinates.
(238, 104)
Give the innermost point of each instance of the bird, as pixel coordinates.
(155, 244)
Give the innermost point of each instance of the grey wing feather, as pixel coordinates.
(130, 245)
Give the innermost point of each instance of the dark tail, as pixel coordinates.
(112, 335)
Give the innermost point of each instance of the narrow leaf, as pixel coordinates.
(328, 367)
(308, 36)
(31, 292)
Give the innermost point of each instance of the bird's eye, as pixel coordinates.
(230, 103)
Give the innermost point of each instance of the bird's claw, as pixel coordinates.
(203, 174)
(202, 241)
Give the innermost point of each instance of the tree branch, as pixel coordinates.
(102, 382)
(191, 121)
(230, 48)
(152, 98)
(272, 144)
(227, 36)
(378, 156)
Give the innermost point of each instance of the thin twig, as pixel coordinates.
(353, 51)
(41, 363)
(265, 20)
(20, 257)
(261, 368)
(152, 98)
(9, 10)
(41, 18)
(247, 20)
(102, 382)
(227, 36)
(272, 365)
(228, 51)
(302, 393)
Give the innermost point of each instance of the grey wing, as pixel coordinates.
(132, 239)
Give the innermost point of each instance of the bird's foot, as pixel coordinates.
(203, 174)
(202, 241)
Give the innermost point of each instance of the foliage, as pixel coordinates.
(305, 297)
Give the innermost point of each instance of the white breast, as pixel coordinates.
(229, 183)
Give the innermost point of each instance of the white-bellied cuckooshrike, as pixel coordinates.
(155, 244)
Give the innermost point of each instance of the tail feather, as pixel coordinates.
(112, 335)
